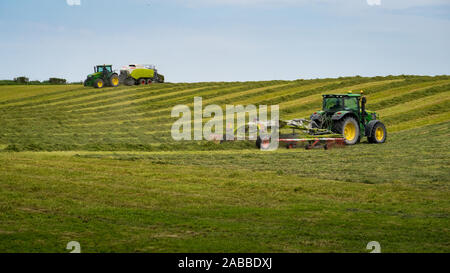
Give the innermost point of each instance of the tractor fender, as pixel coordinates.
(340, 114)
(369, 127)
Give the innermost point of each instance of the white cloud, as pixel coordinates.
(374, 2)
(73, 2)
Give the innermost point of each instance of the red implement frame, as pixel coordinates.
(313, 143)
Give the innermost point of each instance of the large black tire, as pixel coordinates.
(378, 133)
(99, 83)
(123, 77)
(114, 80)
(349, 128)
(129, 81)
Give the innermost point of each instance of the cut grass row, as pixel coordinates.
(137, 93)
(110, 96)
(147, 125)
(17, 93)
(59, 89)
(400, 104)
(223, 101)
(157, 103)
(220, 99)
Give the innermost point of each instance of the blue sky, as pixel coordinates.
(226, 40)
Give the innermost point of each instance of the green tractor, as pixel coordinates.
(103, 76)
(347, 115)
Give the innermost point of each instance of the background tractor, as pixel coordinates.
(140, 74)
(103, 76)
(347, 115)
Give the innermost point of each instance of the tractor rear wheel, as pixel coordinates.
(114, 80)
(99, 83)
(378, 134)
(350, 129)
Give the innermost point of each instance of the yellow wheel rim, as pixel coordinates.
(379, 134)
(350, 131)
(115, 81)
(100, 84)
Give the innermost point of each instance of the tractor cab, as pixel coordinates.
(355, 104)
(103, 68)
(334, 103)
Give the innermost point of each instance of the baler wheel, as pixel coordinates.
(130, 81)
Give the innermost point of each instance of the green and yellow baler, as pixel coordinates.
(135, 74)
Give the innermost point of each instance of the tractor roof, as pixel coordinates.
(104, 65)
(341, 95)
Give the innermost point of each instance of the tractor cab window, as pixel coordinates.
(332, 104)
(101, 68)
(351, 103)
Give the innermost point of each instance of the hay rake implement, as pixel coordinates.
(304, 134)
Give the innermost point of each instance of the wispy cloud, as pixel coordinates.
(374, 2)
(73, 2)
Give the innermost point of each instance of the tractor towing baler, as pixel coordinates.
(135, 74)
(103, 76)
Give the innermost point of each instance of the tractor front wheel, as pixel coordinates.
(349, 128)
(99, 83)
(378, 134)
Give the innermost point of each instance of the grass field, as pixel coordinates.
(100, 167)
